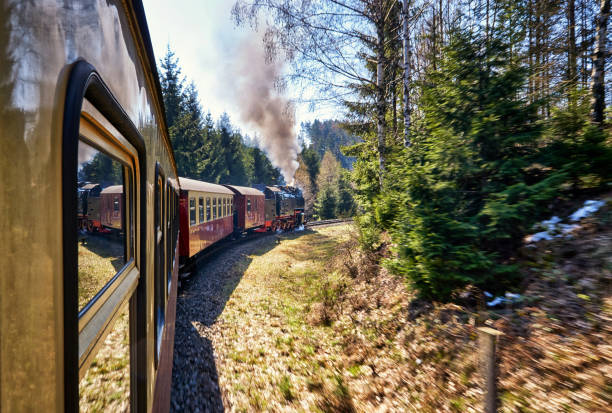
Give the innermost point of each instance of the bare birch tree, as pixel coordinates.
(331, 43)
(598, 91)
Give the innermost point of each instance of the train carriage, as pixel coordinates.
(249, 206)
(111, 207)
(86, 319)
(205, 216)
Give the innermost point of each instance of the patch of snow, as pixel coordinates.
(509, 298)
(539, 236)
(495, 301)
(589, 208)
(488, 294)
(300, 228)
(554, 228)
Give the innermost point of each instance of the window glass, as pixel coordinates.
(201, 209)
(102, 239)
(224, 207)
(219, 206)
(214, 206)
(248, 205)
(207, 209)
(105, 239)
(192, 211)
(106, 384)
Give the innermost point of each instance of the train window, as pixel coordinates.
(224, 207)
(102, 235)
(201, 209)
(219, 206)
(207, 209)
(214, 207)
(248, 205)
(192, 211)
(107, 274)
(160, 259)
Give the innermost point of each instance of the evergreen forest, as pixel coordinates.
(474, 119)
(204, 149)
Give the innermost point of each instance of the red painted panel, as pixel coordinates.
(254, 218)
(195, 238)
(184, 225)
(203, 235)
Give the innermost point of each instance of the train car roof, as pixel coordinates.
(244, 190)
(89, 186)
(273, 188)
(113, 189)
(188, 184)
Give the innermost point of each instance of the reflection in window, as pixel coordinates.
(214, 208)
(248, 205)
(201, 209)
(219, 206)
(101, 245)
(106, 384)
(207, 209)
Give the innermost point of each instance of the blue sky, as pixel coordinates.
(204, 38)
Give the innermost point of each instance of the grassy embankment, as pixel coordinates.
(316, 325)
(106, 384)
(303, 331)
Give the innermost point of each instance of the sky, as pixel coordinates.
(204, 39)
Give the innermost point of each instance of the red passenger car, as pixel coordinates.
(205, 216)
(249, 204)
(111, 207)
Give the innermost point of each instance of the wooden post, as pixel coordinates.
(487, 340)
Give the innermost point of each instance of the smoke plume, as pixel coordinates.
(262, 104)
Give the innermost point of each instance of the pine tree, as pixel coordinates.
(472, 188)
(172, 86)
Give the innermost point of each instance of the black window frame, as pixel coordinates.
(192, 211)
(85, 83)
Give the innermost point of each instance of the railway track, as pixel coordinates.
(328, 222)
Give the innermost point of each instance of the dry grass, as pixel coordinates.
(106, 384)
(317, 325)
(100, 257)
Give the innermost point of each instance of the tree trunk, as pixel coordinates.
(380, 97)
(598, 91)
(571, 46)
(407, 73)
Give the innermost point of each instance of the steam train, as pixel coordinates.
(94, 217)
(208, 213)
